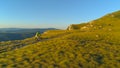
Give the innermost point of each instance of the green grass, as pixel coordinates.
(78, 49)
(96, 47)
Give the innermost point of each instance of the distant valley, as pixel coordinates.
(7, 34)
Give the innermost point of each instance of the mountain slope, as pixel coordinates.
(90, 47)
(75, 50)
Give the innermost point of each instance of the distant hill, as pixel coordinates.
(24, 30)
(7, 34)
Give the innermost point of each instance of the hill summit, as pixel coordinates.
(108, 22)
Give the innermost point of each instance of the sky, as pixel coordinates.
(52, 13)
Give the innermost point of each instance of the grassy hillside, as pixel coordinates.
(96, 46)
(109, 22)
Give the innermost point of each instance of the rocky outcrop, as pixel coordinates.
(70, 27)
